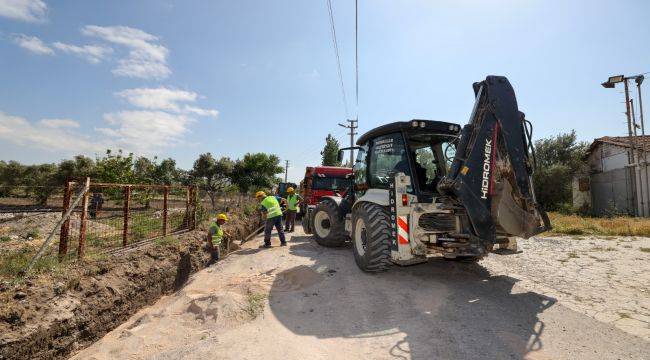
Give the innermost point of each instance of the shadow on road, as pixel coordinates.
(440, 309)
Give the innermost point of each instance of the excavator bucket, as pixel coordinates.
(491, 173)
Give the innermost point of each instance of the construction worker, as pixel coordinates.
(293, 200)
(270, 208)
(215, 236)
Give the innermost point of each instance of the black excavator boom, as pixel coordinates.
(491, 173)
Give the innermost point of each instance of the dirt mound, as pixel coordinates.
(54, 315)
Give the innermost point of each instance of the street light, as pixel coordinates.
(612, 81)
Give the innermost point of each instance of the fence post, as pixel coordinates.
(65, 227)
(164, 214)
(84, 220)
(195, 204)
(127, 203)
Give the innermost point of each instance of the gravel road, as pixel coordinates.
(308, 302)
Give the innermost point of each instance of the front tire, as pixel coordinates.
(327, 224)
(371, 237)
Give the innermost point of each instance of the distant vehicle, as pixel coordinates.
(282, 188)
(320, 181)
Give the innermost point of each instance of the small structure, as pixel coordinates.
(616, 181)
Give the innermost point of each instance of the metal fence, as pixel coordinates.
(113, 216)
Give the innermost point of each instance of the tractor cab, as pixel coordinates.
(420, 149)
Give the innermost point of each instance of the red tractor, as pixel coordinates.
(321, 181)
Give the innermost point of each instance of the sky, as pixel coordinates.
(180, 78)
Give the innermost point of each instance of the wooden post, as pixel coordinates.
(127, 203)
(65, 227)
(164, 214)
(84, 220)
(188, 197)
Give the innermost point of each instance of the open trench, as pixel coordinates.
(45, 320)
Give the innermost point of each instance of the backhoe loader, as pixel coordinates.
(424, 188)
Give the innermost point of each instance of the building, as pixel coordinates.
(612, 184)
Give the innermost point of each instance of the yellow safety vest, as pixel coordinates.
(272, 207)
(292, 201)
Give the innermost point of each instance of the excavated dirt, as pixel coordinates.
(55, 315)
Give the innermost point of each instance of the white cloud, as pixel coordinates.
(33, 44)
(162, 98)
(92, 53)
(59, 123)
(147, 59)
(25, 10)
(146, 131)
(21, 132)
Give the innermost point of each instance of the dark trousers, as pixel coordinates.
(290, 222)
(270, 223)
(215, 254)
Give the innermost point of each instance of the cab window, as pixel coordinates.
(387, 157)
(360, 169)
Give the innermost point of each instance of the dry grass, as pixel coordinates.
(616, 226)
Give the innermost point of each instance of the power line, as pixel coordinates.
(356, 52)
(338, 57)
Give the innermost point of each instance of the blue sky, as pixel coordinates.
(179, 78)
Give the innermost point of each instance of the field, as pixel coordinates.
(614, 226)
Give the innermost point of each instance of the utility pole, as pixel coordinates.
(352, 126)
(630, 156)
(639, 154)
(639, 80)
(633, 154)
(286, 170)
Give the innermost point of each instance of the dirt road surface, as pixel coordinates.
(308, 302)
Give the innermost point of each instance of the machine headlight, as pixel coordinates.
(414, 124)
(423, 124)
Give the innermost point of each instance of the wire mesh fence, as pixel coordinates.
(113, 216)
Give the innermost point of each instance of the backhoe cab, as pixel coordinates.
(425, 187)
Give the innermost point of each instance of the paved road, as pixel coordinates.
(310, 302)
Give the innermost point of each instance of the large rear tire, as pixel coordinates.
(371, 237)
(306, 223)
(328, 225)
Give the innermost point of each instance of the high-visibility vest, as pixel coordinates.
(218, 233)
(272, 207)
(292, 201)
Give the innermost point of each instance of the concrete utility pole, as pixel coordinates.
(638, 154)
(633, 155)
(353, 126)
(286, 170)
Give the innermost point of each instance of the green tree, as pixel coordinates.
(11, 176)
(115, 168)
(559, 158)
(211, 175)
(79, 167)
(330, 151)
(256, 171)
(40, 181)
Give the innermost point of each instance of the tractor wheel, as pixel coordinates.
(327, 224)
(371, 237)
(306, 223)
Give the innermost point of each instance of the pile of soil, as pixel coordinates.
(54, 315)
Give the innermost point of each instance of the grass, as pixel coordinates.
(255, 304)
(645, 249)
(12, 262)
(615, 226)
(4, 238)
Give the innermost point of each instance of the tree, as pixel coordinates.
(559, 158)
(41, 181)
(257, 170)
(115, 168)
(330, 152)
(211, 175)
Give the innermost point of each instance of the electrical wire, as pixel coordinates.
(338, 57)
(356, 52)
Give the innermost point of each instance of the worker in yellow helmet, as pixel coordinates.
(293, 200)
(270, 208)
(215, 236)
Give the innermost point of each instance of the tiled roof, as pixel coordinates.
(623, 141)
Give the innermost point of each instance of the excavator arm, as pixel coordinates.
(491, 173)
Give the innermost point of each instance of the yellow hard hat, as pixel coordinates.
(222, 217)
(290, 189)
(260, 194)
